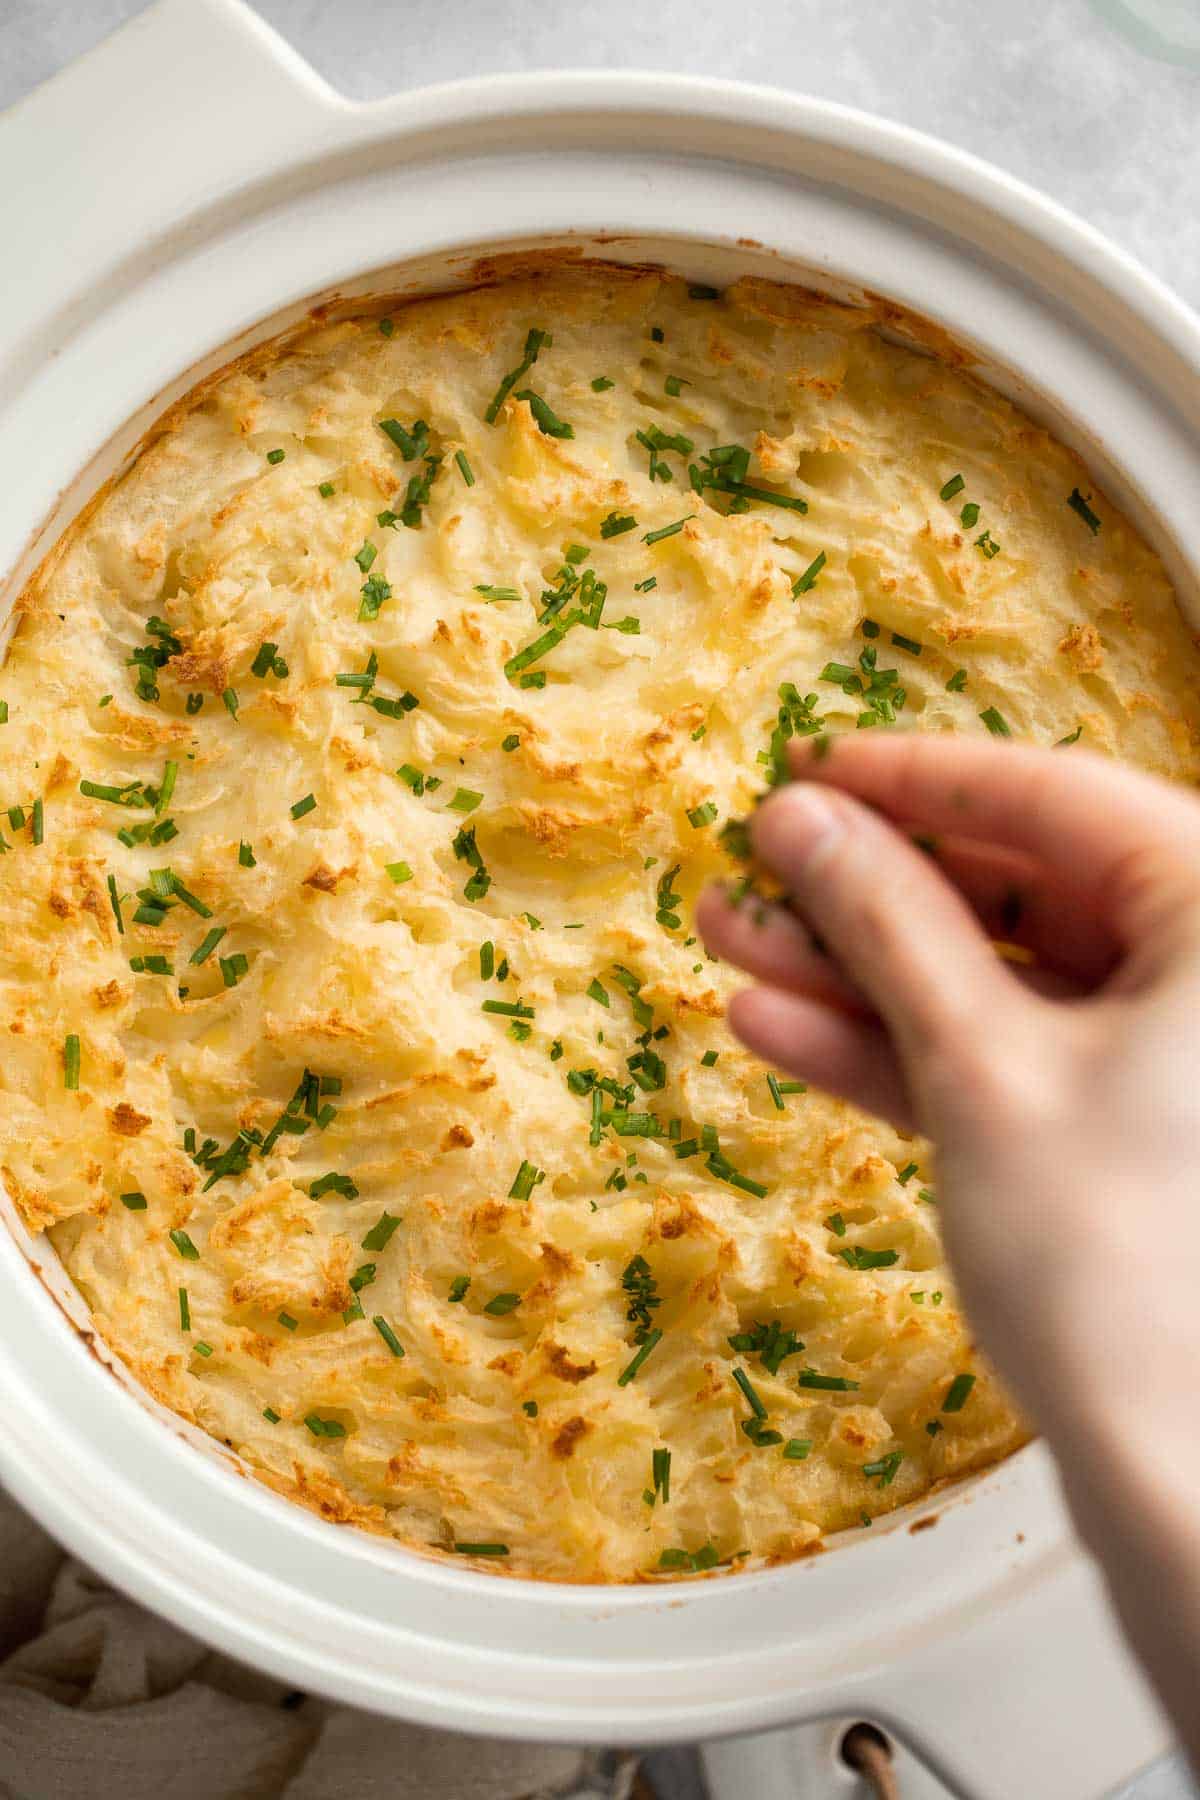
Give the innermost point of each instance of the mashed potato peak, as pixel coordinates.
(366, 747)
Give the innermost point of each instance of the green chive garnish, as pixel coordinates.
(666, 531)
(1077, 503)
(995, 722)
(71, 1059)
(957, 1393)
(135, 1202)
(388, 1335)
(481, 1549)
(307, 805)
(464, 467)
(803, 583)
(380, 1233)
(184, 1245)
(500, 1304)
(955, 485)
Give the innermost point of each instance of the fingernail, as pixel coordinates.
(793, 824)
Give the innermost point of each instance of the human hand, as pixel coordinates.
(1060, 1092)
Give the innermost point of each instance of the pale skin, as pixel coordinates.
(1063, 1093)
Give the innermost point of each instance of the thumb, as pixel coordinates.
(898, 929)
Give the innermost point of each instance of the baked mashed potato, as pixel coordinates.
(363, 751)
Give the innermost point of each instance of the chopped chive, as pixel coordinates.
(535, 341)
(380, 1233)
(647, 586)
(487, 960)
(957, 682)
(856, 1257)
(700, 816)
(508, 1009)
(753, 1399)
(136, 1202)
(796, 1449)
(995, 722)
(490, 592)
(601, 384)
(836, 1224)
(4, 709)
(831, 1384)
(511, 742)
(185, 1311)
(885, 1468)
(458, 1289)
(720, 1166)
(184, 1245)
(330, 1428)
(905, 1175)
(170, 775)
(246, 859)
(71, 1060)
(307, 805)
(957, 1393)
(205, 949)
(808, 580)
(617, 523)
(388, 1335)
(366, 555)
(374, 591)
(524, 1181)
(230, 702)
(969, 515)
(202, 1349)
(465, 800)
(501, 1304)
(597, 991)
(955, 485)
(709, 1059)
(987, 545)
(1072, 737)
(464, 467)
(326, 490)
(270, 1415)
(629, 1372)
(1077, 503)
(399, 871)
(114, 900)
(38, 822)
(481, 1549)
(547, 420)
(906, 643)
(233, 968)
(674, 384)
(666, 531)
(774, 1090)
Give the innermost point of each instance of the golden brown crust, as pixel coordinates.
(508, 1423)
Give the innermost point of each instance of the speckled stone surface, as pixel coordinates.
(1054, 91)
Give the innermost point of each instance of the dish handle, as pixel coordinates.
(182, 105)
(1038, 1699)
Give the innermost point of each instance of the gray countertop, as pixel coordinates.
(1064, 94)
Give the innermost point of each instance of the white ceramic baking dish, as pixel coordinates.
(189, 188)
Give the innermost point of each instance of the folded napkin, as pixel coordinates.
(99, 1698)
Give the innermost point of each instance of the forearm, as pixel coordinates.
(1122, 1425)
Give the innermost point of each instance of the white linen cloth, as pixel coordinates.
(99, 1698)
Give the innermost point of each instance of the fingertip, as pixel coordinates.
(794, 825)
